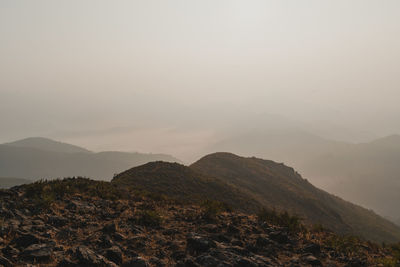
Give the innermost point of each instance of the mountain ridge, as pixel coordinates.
(183, 183)
(48, 145)
(42, 163)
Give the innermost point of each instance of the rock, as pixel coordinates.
(355, 262)
(114, 254)
(88, 257)
(154, 261)
(243, 262)
(238, 250)
(187, 263)
(119, 237)
(197, 244)
(105, 241)
(262, 241)
(136, 262)
(37, 253)
(178, 255)
(57, 221)
(5, 262)
(71, 205)
(9, 251)
(109, 228)
(37, 222)
(212, 228)
(312, 248)
(312, 260)
(207, 260)
(233, 229)
(66, 263)
(236, 242)
(278, 236)
(25, 240)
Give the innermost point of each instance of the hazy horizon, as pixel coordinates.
(173, 77)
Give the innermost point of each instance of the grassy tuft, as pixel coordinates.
(210, 209)
(284, 219)
(148, 218)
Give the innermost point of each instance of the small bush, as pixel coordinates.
(148, 218)
(212, 208)
(284, 219)
(346, 244)
(387, 262)
(395, 251)
(318, 228)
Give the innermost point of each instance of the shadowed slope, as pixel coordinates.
(181, 182)
(278, 186)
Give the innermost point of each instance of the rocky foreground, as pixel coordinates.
(79, 222)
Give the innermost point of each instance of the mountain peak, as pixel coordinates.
(47, 144)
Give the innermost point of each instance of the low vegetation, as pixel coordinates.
(44, 192)
(394, 259)
(291, 222)
(133, 218)
(212, 208)
(149, 218)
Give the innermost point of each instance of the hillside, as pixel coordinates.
(80, 222)
(47, 145)
(337, 167)
(42, 162)
(278, 186)
(182, 183)
(7, 182)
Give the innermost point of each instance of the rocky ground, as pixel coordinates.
(83, 230)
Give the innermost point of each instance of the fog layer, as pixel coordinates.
(176, 76)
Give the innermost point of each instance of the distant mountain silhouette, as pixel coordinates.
(366, 173)
(278, 186)
(21, 159)
(7, 182)
(47, 145)
(183, 183)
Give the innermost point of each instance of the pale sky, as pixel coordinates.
(164, 76)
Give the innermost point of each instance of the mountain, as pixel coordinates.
(373, 167)
(278, 186)
(47, 145)
(43, 162)
(183, 183)
(81, 222)
(337, 167)
(7, 182)
(293, 146)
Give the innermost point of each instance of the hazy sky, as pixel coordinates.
(164, 76)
